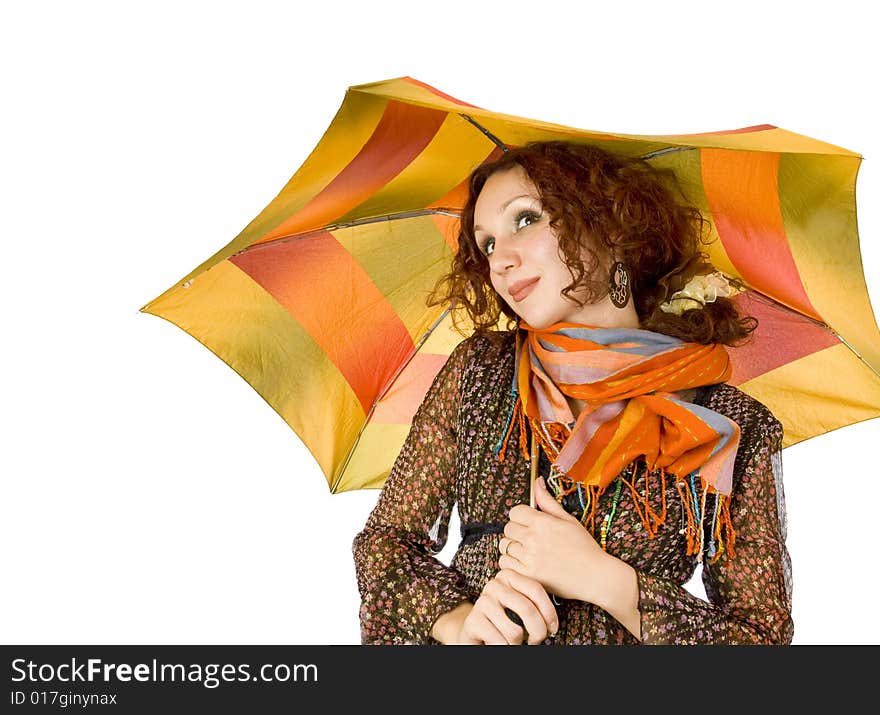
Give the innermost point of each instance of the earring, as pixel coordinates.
(618, 284)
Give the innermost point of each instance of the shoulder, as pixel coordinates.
(759, 427)
(742, 408)
(483, 363)
(489, 347)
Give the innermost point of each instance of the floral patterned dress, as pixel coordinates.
(448, 459)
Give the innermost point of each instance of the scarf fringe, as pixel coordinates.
(501, 445)
(651, 520)
(516, 414)
(722, 536)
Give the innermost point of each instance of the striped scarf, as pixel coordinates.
(627, 379)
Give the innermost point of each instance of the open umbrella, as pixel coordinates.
(319, 303)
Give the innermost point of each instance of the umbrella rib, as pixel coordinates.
(500, 144)
(443, 211)
(667, 150)
(855, 352)
(385, 389)
(764, 298)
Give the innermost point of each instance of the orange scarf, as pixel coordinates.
(627, 379)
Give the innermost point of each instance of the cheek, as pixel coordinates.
(551, 259)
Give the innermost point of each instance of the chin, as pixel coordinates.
(538, 322)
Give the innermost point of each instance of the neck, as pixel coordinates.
(608, 315)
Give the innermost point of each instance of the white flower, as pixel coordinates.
(698, 291)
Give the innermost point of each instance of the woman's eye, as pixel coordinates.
(522, 219)
(526, 218)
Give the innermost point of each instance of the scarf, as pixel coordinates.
(627, 379)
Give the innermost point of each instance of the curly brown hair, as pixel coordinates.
(603, 206)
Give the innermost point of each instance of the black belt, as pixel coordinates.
(474, 530)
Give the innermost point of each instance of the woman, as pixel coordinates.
(611, 390)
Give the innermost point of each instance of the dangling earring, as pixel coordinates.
(618, 284)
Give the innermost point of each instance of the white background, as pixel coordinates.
(149, 494)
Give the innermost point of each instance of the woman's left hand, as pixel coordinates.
(553, 547)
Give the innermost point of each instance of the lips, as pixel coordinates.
(521, 289)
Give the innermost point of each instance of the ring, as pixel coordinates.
(507, 547)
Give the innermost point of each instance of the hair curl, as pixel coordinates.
(606, 207)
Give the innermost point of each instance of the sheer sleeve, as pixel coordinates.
(750, 593)
(403, 587)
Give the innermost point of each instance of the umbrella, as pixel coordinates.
(319, 303)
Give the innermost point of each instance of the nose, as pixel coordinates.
(504, 256)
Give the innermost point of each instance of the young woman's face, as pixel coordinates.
(525, 266)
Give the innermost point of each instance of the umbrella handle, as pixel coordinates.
(534, 462)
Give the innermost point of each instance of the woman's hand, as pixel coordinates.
(553, 547)
(488, 624)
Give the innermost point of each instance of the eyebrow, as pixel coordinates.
(505, 205)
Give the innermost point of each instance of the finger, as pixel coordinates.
(529, 587)
(516, 532)
(468, 639)
(482, 631)
(516, 551)
(481, 621)
(534, 627)
(509, 562)
(535, 592)
(504, 631)
(509, 610)
(522, 514)
(505, 547)
(546, 501)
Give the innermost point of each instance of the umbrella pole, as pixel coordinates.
(534, 463)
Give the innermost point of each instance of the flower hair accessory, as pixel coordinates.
(698, 291)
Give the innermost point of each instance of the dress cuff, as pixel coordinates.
(661, 602)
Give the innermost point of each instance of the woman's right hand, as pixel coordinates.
(487, 623)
